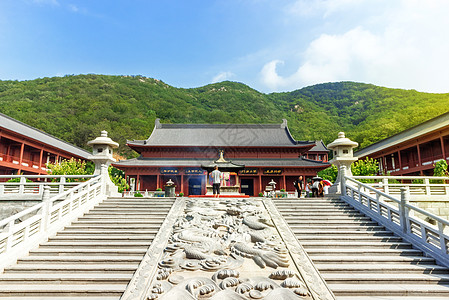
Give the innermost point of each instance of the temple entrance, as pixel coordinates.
(247, 186)
(195, 186)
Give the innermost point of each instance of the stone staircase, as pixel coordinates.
(93, 258)
(358, 258)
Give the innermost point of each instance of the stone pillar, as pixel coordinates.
(102, 150)
(342, 149)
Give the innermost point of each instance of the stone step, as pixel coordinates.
(96, 238)
(355, 227)
(124, 210)
(390, 289)
(67, 244)
(356, 244)
(109, 232)
(362, 252)
(348, 214)
(302, 232)
(380, 268)
(381, 278)
(31, 278)
(4, 297)
(364, 259)
(135, 205)
(111, 227)
(87, 251)
(74, 268)
(63, 260)
(62, 290)
(100, 218)
(336, 222)
(308, 237)
(290, 218)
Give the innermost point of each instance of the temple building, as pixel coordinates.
(27, 150)
(413, 151)
(250, 155)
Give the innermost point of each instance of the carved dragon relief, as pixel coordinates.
(226, 249)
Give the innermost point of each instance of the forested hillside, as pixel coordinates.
(77, 108)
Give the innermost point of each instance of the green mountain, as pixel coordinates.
(77, 108)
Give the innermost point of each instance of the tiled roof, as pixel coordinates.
(191, 162)
(38, 135)
(224, 135)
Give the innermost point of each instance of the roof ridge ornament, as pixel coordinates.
(221, 158)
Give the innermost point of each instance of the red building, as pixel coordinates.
(177, 152)
(24, 149)
(413, 151)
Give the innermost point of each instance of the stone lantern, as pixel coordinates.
(102, 150)
(342, 149)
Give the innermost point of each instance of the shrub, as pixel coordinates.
(329, 173)
(260, 194)
(181, 194)
(158, 189)
(282, 190)
(137, 194)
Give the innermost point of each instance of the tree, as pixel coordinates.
(118, 178)
(69, 167)
(440, 168)
(367, 167)
(329, 173)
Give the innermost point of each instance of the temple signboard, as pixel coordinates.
(169, 170)
(248, 171)
(272, 171)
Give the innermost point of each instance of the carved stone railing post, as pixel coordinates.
(404, 211)
(46, 208)
(343, 180)
(385, 185)
(61, 184)
(22, 185)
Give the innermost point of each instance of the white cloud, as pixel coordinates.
(407, 49)
(320, 7)
(222, 76)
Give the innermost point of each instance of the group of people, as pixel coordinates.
(315, 189)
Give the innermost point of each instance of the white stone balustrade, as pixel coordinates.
(24, 190)
(396, 213)
(17, 237)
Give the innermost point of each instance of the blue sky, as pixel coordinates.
(270, 45)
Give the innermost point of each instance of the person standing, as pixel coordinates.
(216, 181)
(298, 185)
(316, 188)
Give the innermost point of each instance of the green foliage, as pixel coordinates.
(137, 194)
(260, 194)
(282, 190)
(158, 189)
(18, 180)
(329, 173)
(440, 168)
(69, 167)
(118, 178)
(181, 194)
(367, 167)
(77, 108)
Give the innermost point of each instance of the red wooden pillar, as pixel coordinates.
(284, 184)
(138, 183)
(22, 147)
(419, 156)
(399, 160)
(443, 151)
(260, 185)
(182, 183)
(157, 181)
(40, 160)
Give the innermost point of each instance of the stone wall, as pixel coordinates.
(11, 207)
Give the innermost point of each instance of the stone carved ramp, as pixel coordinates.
(358, 258)
(93, 258)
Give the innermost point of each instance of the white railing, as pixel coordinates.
(35, 188)
(18, 237)
(401, 220)
(431, 186)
